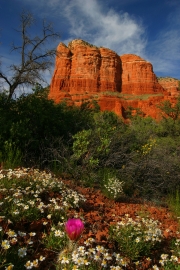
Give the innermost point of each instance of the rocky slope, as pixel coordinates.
(171, 85)
(84, 72)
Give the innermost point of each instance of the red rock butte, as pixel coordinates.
(84, 72)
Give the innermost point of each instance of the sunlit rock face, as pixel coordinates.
(82, 69)
(138, 77)
(171, 85)
(84, 72)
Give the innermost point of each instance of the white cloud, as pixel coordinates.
(94, 23)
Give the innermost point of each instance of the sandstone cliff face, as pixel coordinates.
(171, 86)
(60, 82)
(110, 71)
(138, 76)
(84, 72)
(85, 64)
(82, 69)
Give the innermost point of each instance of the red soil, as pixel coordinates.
(99, 212)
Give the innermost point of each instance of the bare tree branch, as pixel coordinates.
(35, 57)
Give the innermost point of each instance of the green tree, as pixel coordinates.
(37, 126)
(171, 118)
(93, 147)
(171, 110)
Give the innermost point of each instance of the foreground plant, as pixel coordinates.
(74, 228)
(56, 239)
(113, 189)
(25, 198)
(171, 261)
(137, 237)
(173, 202)
(90, 256)
(27, 243)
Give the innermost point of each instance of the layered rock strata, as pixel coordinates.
(84, 72)
(138, 77)
(171, 85)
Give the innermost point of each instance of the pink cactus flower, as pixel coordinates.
(74, 228)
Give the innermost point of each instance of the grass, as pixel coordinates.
(34, 206)
(117, 95)
(174, 203)
(130, 96)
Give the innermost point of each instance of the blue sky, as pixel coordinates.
(148, 28)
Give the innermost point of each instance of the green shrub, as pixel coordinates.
(11, 156)
(173, 201)
(32, 122)
(113, 188)
(136, 238)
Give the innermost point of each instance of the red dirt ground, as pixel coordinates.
(99, 212)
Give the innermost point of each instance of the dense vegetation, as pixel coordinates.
(90, 146)
(136, 161)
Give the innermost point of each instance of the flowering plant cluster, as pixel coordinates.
(34, 210)
(137, 237)
(113, 188)
(24, 196)
(146, 149)
(91, 256)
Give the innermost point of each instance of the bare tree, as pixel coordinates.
(35, 56)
